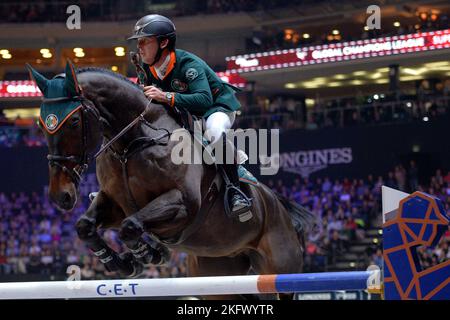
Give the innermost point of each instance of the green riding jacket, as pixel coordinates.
(195, 85)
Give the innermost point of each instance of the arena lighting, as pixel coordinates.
(423, 16)
(425, 119)
(411, 78)
(396, 24)
(115, 68)
(376, 97)
(288, 34)
(306, 36)
(24, 113)
(290, 86)
(366, 28)
(437, 64)
(79, 54)
(340, 76)
(47, 55)
(357, 82)
(120, 51)
(310, 86)
(360, 73)
(410, 71)
(44, 51)
(7, 56)
(310, 102)
(409, 104)
(4, 51)
(334, 84)
(383, 70)
(376, 75)
(78, 50)
(335, 32)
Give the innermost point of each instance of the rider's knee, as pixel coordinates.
(217, 124)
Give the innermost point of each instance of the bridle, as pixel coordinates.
(56, 160)
(83, 161)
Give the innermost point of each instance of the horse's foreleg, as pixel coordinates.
(86, 227)
(166, 206)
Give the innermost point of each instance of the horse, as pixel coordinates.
(155, 205)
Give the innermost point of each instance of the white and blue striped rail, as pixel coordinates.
(193, 286)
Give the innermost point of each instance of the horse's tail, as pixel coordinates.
(302, 219)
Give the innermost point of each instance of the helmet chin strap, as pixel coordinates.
(158, 54)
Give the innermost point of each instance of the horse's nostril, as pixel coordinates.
(66, 198)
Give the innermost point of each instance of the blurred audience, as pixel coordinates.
(37, 239)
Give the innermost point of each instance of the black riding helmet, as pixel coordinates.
(157, 26)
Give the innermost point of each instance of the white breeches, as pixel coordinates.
(218, 123)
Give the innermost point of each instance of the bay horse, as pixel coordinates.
(154, 203)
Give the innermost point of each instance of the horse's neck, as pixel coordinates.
(120, 104)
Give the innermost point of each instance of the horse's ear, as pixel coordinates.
(41, 81)
(71, 82)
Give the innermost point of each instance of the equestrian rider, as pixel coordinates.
(177, 77)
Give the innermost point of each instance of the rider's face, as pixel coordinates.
(148, 47)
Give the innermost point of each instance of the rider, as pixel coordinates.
(177, 77)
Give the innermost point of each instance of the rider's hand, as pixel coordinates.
(155, 94)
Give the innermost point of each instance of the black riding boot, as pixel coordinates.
(236, 203)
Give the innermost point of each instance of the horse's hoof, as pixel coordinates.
(164, 254)
(135, 269)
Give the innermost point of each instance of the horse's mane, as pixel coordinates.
(108, 72)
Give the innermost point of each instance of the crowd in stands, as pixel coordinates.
(264, 38)
(11, 136)
(284, 112)
(37, 239)
(14, 11)
(269, 38)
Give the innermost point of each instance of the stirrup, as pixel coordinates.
(244, 214)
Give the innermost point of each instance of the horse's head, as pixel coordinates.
(73, 131)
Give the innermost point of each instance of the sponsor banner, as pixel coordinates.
(334, 295)
(307, 162)
(12, 89)
(344, 51)
(27, 88)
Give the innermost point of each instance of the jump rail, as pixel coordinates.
(306, 282)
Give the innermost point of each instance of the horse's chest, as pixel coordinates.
(138, 183)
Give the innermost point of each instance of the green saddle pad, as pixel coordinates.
(246, 177)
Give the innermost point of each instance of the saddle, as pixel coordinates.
(187, 120)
